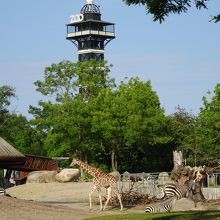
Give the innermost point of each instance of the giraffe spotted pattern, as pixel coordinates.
(100, 179)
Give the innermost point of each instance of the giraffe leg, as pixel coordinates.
(100, 198)
(109, 192)
(119, 197)
(90, 196)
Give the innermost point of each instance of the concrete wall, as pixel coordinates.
(211, 193)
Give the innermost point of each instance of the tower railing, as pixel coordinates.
(107, 30)
(89, 32)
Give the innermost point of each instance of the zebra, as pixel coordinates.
(163, 206)
(2, 192)
(172, 190)
(188, 188)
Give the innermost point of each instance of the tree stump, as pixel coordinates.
(189, 179)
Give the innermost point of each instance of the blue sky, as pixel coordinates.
(180, 56)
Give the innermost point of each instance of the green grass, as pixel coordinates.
(192, 215)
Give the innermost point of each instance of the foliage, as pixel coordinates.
(88, 115)
(16, 128)
(67, 118)
(107, 124)
(63, 80)
(207, 130)
(6, 93)
(20, 134)
(163, 8)
(64, 163)
(216, 18)
(182, 125)
(92, 117)
(129, 116)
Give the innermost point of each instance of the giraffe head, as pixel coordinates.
(74, 162)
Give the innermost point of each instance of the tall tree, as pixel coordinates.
(182, 125)
(6, 93)
(24, 137)
(66, 118)
(207, 130)
(16, 129)
(163, 8)
(129, 116)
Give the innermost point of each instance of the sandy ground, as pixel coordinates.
(58, 201)
(54, 201)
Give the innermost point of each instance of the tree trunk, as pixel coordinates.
(113, 160)
(189, 179)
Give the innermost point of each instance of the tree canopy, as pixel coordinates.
(6, 93)
(101, 121)
(16, 128)
(66, 119)
(129, 117)
(207, 130)
(160, 9)
(87, 114)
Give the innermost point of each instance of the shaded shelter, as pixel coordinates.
(12, 160)
(10, 155)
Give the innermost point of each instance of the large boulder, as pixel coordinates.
(116, 174)
(41, 177)
(163, 178)
(185, 204)
(68, 175)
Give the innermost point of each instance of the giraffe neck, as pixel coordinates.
(89, 169)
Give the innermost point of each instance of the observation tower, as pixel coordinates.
(89, 33)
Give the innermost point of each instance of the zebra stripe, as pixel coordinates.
(2, 192)
(164, 206)
(171, 190)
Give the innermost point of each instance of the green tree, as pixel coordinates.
(6, 93)
(63, 80)
(163, 8)
(129, 116)
(66, 119)
(16, 129)
(207, 130)
(19, 132)
(182, 124)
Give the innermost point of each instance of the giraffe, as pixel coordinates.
(100, 179)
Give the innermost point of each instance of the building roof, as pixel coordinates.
(101, 22)
(9, 153)
(90, 8)
(10, 158)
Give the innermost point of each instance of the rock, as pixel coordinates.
(183, 204)
(41, 177)
(163, 178)
(116, 174)
(126, 176)
(68, 175)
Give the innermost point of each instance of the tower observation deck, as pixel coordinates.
(89, 33)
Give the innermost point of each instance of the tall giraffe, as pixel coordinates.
(100, 179)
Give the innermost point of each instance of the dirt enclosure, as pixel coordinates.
(55, 201)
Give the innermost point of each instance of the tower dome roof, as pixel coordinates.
(90, 7)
